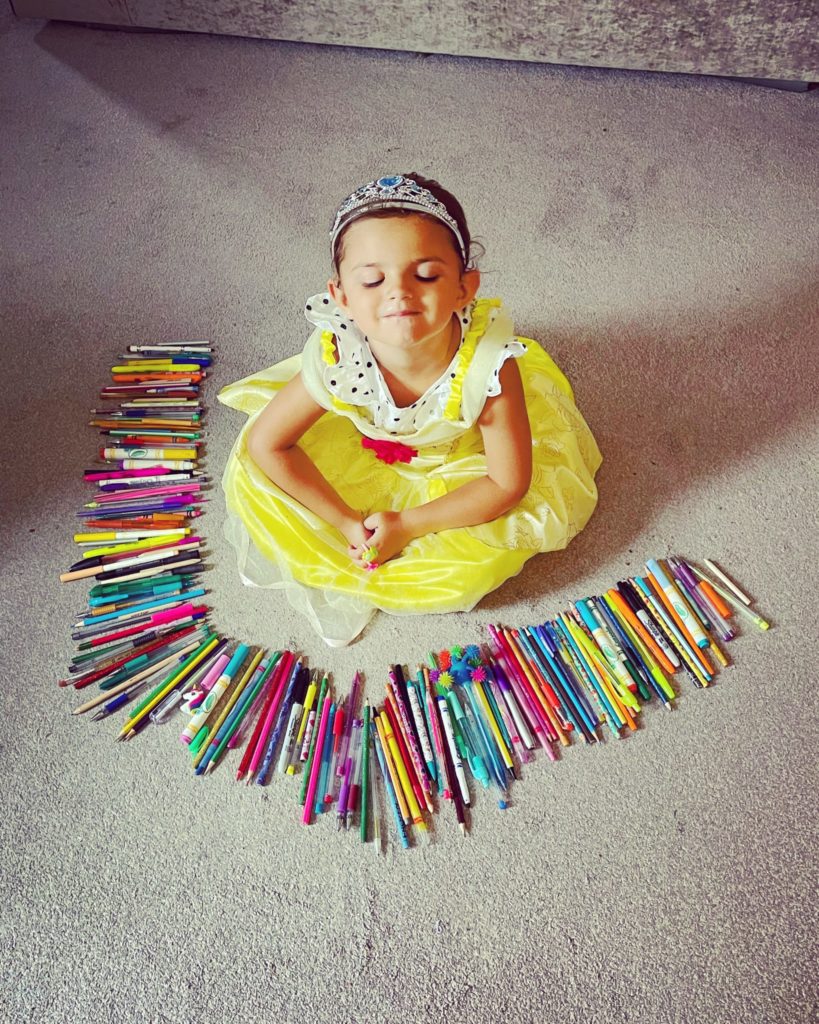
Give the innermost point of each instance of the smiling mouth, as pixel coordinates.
(398, 316)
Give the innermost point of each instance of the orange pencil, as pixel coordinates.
(546, 685)
(640, 629)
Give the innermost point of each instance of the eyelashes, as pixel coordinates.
(418, 277)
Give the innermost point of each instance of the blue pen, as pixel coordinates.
(118, 596)
(486, 740)
(110, 706)
(564, 687)
(131, 609)
(472, 748)
(548, 633)
(281, 722)
(540, 652)
(326, 755)
(399, 821)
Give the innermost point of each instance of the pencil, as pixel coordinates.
(140, 714)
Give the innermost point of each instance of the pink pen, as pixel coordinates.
(516, 724)
(540, 725)
(282, 671)
(122, 474)
(316, 766)
(147, 492)
(348, 724)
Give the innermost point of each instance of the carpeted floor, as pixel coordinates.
(659, 235)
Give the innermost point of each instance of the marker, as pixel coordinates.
(678, 603)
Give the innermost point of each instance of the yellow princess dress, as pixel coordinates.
(380, 456)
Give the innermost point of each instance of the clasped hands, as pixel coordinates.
(387, 532)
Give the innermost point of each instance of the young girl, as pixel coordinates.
(417, 452)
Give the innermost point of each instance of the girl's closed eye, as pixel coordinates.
(419, 277)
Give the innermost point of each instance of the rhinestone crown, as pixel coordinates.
(393, 191)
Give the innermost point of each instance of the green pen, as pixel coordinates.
(471, 749)
(243, 708)
(174, 678)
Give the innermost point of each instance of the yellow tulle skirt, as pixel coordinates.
(280, 544)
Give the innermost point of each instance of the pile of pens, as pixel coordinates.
(478, 713)
(144, 612)
(468, 719)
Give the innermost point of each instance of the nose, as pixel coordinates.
(399, 287)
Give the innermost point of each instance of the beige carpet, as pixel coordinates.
(659, 235)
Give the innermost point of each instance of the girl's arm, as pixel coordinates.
(504, 426)
(272, 443)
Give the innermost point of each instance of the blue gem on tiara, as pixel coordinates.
(390, 181)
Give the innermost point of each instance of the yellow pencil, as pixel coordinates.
(136, 545)
(173, 681)
(406, 809)
(493, 725)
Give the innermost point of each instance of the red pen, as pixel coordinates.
(338, 730)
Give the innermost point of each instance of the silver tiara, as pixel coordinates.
(393, 192)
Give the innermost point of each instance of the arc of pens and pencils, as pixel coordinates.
(467, 720)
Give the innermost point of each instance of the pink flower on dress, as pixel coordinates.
(389, 451)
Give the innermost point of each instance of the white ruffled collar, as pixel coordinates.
(356, 377)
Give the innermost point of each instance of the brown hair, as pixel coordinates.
(453, 208)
